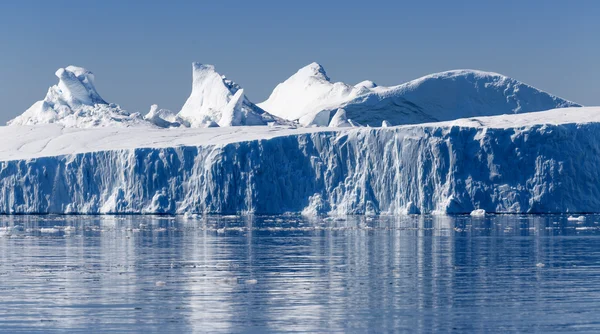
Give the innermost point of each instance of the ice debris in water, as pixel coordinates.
(478, 213)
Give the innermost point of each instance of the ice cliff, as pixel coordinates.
(310, 97)
(533, 162)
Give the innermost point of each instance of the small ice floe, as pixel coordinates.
(478, 213)
(48, 230)
(576, 219)
(251, 281)
(540, 265)
(69, 229)
(160, 283)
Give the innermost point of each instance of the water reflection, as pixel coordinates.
(257, 274)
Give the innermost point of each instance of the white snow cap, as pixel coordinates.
(215, 99)
(75, 102)
(306, 92)
(436, 97)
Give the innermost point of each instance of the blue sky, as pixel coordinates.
(141, 51)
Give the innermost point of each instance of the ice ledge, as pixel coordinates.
(26, 142)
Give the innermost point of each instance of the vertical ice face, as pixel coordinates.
(504, 164)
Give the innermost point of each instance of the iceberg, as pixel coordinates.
(539, 162)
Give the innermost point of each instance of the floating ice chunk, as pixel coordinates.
(573, 218)
(478, 213)
(411, 209)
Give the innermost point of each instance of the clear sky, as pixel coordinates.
(141, 51)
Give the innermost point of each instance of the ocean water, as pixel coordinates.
(292, 274)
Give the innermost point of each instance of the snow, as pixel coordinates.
(436, 97)
(75, 102)
(306, 92)
(163, 118)
(526, 163)
(217, 100)
(339, 120)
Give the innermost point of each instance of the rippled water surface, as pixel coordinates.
(278, 274)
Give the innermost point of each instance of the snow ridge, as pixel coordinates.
(309, 94)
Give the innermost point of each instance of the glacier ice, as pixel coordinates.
(436, 97)
(163, 118)
(339, 120)
(216, 99)
(75, 102)
(478, 213)
(526, 163)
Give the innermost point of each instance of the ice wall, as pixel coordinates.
(418, 169)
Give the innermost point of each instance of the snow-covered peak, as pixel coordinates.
(75, 102)
(306, 92)
(214, 100)
(310, 95)
(366, 84)
(312, 70)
